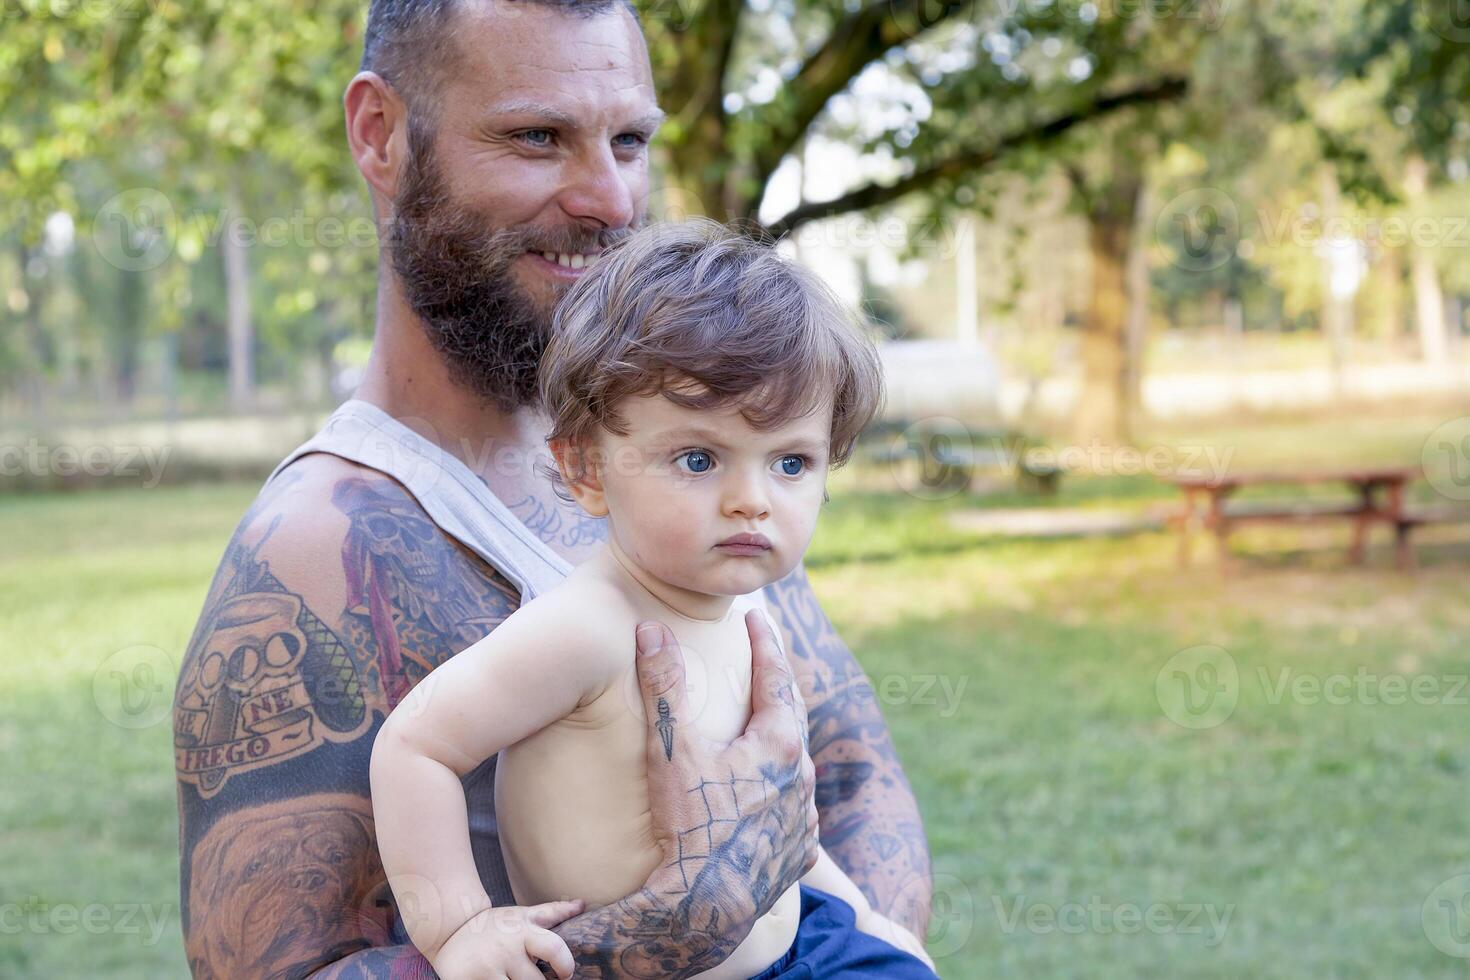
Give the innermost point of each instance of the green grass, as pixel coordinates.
(1019, 679)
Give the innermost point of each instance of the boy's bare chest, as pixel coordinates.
(717, 684)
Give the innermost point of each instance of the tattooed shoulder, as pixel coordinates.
(336, 595)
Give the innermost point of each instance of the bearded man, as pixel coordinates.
(504, 144)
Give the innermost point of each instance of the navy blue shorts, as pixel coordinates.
(828, 946)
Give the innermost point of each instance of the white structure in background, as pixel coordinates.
(957, 378)
(928, 378)
(966, 283)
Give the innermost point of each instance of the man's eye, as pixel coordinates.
(792, 465)
(630, 141)
(537, 137)
(696, 461)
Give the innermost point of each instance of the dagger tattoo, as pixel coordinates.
(665, 726)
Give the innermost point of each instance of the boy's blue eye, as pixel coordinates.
(698, 461)
(792, 465)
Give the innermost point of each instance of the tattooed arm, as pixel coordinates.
(870, 820)
(336, 596)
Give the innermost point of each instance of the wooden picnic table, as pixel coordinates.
(1378, 497)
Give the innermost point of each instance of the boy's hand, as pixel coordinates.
(505, 943)
(877, 924)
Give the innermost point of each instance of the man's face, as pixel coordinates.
(537, 160)
(684, 481)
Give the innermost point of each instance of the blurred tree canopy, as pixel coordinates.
(154, 127)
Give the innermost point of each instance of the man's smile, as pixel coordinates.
(562, 265)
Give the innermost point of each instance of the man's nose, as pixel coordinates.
(745, 496)
(598, 193)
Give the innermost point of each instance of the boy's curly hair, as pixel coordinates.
(706, 316)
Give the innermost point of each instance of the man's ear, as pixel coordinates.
(581, 473)
(377, 132)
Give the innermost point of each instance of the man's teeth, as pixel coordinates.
(575, 261)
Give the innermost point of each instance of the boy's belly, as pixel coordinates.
(571, 803)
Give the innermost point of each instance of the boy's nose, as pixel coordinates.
(746, 497)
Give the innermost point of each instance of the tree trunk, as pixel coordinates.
(39, 354)
(132, 307)
(1337, 303)
(1428, 296)
(1390, 271)
(1138, 289)
(1103, 404)
(239, 328)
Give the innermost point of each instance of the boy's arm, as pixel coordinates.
(828, 877)
(522, 677)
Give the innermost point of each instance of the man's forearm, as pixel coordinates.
(870, 819)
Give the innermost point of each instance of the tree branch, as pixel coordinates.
(704, 56)
(855, 42)
(975, 158)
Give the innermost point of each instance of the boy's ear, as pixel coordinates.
(581, 475)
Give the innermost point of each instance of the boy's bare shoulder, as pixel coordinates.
(583, 618)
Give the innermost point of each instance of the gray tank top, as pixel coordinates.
(464, 508)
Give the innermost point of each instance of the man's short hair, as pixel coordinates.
(410, 43)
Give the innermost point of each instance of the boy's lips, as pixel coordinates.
(746, 544)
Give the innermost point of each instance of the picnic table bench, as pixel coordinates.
(1378, 498)
(953, 454)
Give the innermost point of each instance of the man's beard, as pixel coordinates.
(455, 271)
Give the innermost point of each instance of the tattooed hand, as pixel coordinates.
(737, 824)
